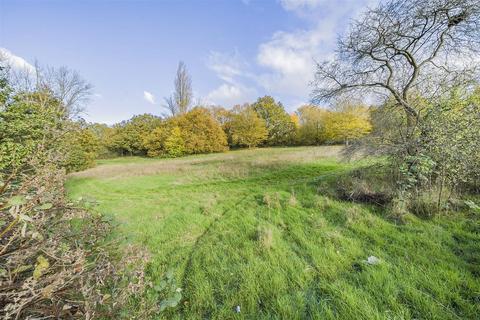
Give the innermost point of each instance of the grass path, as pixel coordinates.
(250, 228)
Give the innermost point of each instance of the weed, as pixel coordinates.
(292, 201)
(265, 237)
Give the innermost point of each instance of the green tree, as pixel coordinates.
(280, 126)
(311, 125)
(246, 128)
(127, 137)
(166, 140)
(103, 134)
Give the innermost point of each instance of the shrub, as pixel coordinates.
(53, 261)
(174, 144)
(127, 137)
(246, 128)
(368, 185)
(83, 147)
(200, 132)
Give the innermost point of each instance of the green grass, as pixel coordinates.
(250, 228)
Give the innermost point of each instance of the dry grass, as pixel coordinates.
(245, 162)
(265, 237)
(292, 201)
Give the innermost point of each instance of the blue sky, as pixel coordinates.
(235, 50)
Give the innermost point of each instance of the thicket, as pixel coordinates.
(437, 170)
(417, 55)
(54, 258)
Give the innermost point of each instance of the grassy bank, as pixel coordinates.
(249, 228)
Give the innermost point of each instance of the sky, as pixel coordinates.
(235, 50)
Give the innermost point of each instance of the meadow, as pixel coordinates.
(250, 234)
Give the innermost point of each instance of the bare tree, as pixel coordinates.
(170, 105)
(67, 86)
(64, 84)
(183, 88)
(404, 47)
(181, 100)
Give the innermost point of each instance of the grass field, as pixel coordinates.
(250, 228)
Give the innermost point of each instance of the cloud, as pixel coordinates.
(233, 70)
(289, 58)
(292, 5)
(149, 97)
(284, 65)
(231, 94)
(15, 62)
(227, 66)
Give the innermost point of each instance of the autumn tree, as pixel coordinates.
(246, 128)
(347, 123)
(280, 126)
(165, 140)
(127, 136)
(181, 100)
(311, 121)
(200, 132)
(193, 132)
(103, 134)
(83, 145)
(402, 49)
(220, 114)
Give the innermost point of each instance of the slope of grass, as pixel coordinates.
(250, 228)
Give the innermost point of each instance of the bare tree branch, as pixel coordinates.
(404, 47)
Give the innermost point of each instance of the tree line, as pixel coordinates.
(216, 129)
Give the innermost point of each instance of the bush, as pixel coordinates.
(83, 147)
(53, 261)
(127, 137)
(200, 132)
(438, 154)
(372, 184)
(245, 128)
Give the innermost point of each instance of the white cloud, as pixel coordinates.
(289, 58)
(15, 62)
(227, 66)
(234, 71)
(231, 94)
(149, 97)
(292, 5)
(285, 65)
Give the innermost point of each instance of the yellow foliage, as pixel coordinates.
(246, 128)
(351, 123)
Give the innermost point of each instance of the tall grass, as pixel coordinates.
(227, 225)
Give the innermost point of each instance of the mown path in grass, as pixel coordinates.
(203, 217)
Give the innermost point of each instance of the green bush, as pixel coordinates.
(48, 267)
